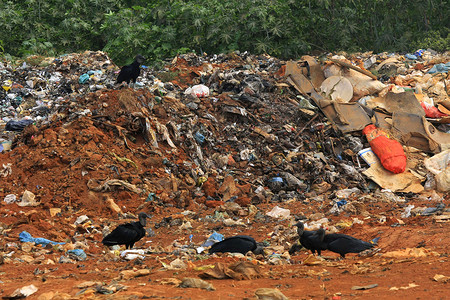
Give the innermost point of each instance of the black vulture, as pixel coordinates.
(343, 244)
(237, 244)
(131, 72)
(311, 240)
(127, 234)
(295, 247)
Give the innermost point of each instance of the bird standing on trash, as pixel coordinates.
(237, 244)
(131, 72)
(343, 244)
(127, 234)
(311, 240)
(336, 242)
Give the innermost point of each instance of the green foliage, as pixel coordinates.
(435, 40)
(163, 28)
(2, 49)
(53, 26)
(39, 47)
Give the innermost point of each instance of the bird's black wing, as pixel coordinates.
(306, 242)
(240, 244)
(295, 247)
(125, 74)
(123, 234)
(313, 240)
(343, 244)
(134, 74)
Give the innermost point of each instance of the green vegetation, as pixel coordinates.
(162, 28)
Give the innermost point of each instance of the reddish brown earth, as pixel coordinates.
(59, 161)
(293, 278)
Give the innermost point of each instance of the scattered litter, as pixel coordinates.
(312, 260)
(239, 271)
(132, 254)
(278, 212)
(176, 264)
(441, 278)
(129, 274)
(11, 198)
(407, 212)
(6, 171)
(365, 287)
(28, 199)
(221, 142)
(439, 165)
(199, 90)
(196, 283)
(411, 252)
(26, 237)
(23, 292)
(77, 254)
(269, 294)
(410, 286)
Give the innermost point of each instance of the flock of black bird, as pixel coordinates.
(316, 241)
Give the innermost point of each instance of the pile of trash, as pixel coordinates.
(224, 129)
(238, 127)
(214, 140)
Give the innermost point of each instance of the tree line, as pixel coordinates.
(160, 29)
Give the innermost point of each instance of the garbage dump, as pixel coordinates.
(229, 144)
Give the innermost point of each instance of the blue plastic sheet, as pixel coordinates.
(341, 203)
(83, 78)
(410, 56)
(26, 237)
(199, 137)
(94, 72)
(440, 68)
(79, 253)
(216, 236)
(276, 179)
(419, 52)
(151, 197)
(213, 238)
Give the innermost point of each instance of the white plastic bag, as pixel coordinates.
(439, 165)
(278, 212)
(199, 90)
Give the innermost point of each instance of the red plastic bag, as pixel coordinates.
(431, 111)
(390, 152)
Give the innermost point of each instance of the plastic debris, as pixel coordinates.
(18, 125)
(440, 68)
(77, 254)
(26, 237)
(28, 199)
(23, 292)
(269, 294)
(390, 152)
(199, 90)
(264, 138)
(439, 165)
(407, 212)
(11, 198)
(278, 212)
(196, 283)
(365, 287)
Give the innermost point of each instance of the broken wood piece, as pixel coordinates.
(348, 65)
